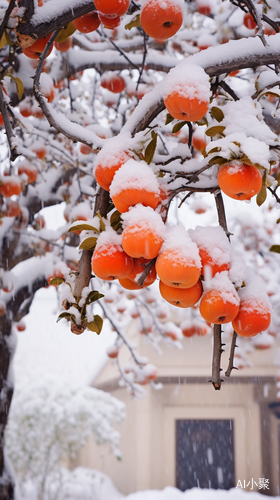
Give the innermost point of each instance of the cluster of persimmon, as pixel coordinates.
(11, 185)
(192, 266)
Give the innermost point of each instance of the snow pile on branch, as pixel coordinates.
(250, 136)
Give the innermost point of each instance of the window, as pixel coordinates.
(204, 454)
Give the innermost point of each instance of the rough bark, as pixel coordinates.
(84, 269)
(17, 307)
(27, 28)
(6, 392)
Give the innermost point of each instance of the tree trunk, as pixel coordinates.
(6, 393)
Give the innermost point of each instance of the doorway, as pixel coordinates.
(205, 454)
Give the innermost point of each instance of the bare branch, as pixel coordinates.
(84, 269)
(146, 271)
(9, 131)
(120, 334)
(80, 132)
(231, 356)
(26, 30)
(221, 213)
(229, 90)
(6, 17)
(216, 361)
(273, 192)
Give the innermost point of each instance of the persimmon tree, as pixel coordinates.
(120, 110)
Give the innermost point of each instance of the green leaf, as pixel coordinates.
(212, 131)
(217, 113)
(93, 297)
(84, 226)
(115, 217)
(134, 23)
(3, 41)
(153, 134)
(246, 160)
(150, 150)
(57, 281)
(215, 150)
(218, 160)
(160, 174)
(96, 325)
(269, 180)
(65, 33)
(19, 86)
(202, 122)
(88, 244)
(261, 196)
(116, 220)
(101, 222)
(275, 248)
(66, 315)
(9, 41)
(178, 127)
(269, 92)
(169, 119)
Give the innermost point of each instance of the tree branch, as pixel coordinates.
(6, 17)
(231, 356)
(9, 131)
(216, 361)
(258, 56)
(221, 213)
(146, 271)
(84, 269)
(26, 31)
(80, 132)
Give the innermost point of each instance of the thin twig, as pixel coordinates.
(146, 271)
(78, 136)
(221, 213)
(118, 49)
(231, 356)
(229, 90)
(174, 158)
(6, 17)
(143, 63)
(120, 334)
(9, 131)
(184, 199)
(273, 192)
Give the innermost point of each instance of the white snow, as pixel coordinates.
(221, 283)
(191, 82)
(134, 175)
(178, 242)
(144, 218)
(52, 9)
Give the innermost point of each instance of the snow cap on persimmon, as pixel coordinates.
(189, 81)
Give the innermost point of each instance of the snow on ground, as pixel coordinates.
(87, 484)
(170, 493)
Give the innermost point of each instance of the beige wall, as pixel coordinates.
(194, 359)
(148, 433)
